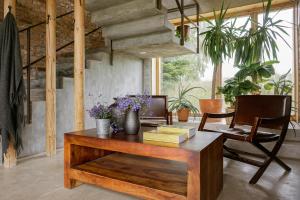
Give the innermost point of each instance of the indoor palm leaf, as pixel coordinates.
(218, 42)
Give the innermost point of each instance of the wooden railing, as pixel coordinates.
(30, 63)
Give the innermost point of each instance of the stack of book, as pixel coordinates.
(170, 134)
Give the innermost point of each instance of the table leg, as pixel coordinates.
(68, 182)
(193, 187)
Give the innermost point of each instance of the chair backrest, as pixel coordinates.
(158, 108)
(266, 106)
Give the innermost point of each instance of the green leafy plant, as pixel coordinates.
(259, 71)
(254, 45)
(234, 87)
(281, 86)
(182, 101)
(218, 42)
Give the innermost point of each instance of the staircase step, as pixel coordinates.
(164, 44)
(36, 83)
(158, 23)
(128, 11)
(38, 94)
(92, 5)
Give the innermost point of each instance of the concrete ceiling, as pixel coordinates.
(206, 6)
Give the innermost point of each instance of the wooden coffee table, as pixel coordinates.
(124, 163)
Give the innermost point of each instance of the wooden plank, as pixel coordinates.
(145, 177)
(170, 176)
(50, 78)
(10, 158)
(79, 63)
(240, 11)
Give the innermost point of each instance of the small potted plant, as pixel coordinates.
(102, 114)
(182, 105)
(132, 106)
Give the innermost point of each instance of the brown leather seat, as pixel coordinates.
(257, 111)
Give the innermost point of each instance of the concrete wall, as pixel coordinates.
(124, 77)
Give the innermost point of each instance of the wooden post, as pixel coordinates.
(51, 77)
(10, 158)
(79, 63)
(6, 5)
(157, 75)
(218, 80)
(297, 59)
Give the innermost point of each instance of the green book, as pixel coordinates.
(190, 131)
(164, 137)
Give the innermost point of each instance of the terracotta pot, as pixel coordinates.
(211, 106)
(183, 114)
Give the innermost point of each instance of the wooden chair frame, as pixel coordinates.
(168, 117)
(253, 139)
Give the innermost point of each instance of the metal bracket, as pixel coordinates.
(111, 55)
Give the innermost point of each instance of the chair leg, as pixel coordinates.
(266, 151)
(272, 156)
(260, 171)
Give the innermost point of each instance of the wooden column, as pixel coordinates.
(79, 63)
(51, 77)
(8, 3)
(10, 158)
(157, 75)
(297, 59)
(218, 80)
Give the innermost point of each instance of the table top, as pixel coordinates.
(196, 144)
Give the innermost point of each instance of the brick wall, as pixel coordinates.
(30, 12)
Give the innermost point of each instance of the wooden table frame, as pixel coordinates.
(203, 156)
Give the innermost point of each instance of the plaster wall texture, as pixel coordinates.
(124, 77)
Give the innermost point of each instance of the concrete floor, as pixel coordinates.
(41, 178)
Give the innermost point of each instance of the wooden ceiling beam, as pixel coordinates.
(240, 11)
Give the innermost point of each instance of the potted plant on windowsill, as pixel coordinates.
(102, 114)
(218, 45)
(182, 105)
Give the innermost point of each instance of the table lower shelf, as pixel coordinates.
(149, 173)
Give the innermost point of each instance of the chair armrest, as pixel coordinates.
(219, 115)
(258, 121)
(213, 115)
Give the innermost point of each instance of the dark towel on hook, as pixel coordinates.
(12, 90)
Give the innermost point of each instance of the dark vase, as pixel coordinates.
(132, 123)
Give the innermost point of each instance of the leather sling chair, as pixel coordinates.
(257, 111)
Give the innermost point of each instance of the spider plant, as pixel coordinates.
(218, 42)
(182, 101)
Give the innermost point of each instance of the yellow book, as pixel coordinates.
(165, 137)
(190, 131)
